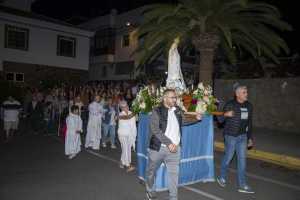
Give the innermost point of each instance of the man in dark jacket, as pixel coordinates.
(36, 115)
(165, 134)
(237, 136)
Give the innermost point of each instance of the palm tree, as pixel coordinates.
(233, 25)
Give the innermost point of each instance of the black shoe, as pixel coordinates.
(151, 195)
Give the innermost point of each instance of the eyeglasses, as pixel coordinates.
(172, 97)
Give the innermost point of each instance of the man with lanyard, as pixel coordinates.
(237, 136)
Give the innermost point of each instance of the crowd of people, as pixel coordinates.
(94, 111)
(100, 113)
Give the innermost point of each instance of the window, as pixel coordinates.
(66, 46)
(15, 76)
(10, 76)
(19, 77)
(104, 71)
(125, 41)
(104, 42)
(124, 68)
(16, 38)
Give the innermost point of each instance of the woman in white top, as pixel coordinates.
(127, 135)
(74, 128)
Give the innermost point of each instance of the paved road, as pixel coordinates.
(35, 168)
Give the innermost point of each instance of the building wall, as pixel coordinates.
(134, 18)
(18, 4)
(37, 75)
(124, 24)
(122, 54)
(276, 101)
(43, 43)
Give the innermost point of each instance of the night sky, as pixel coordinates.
(76, 12)
(65, 9)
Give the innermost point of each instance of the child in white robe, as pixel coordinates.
(74, 128)
(127, 135)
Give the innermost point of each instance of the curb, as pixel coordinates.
(278, 159)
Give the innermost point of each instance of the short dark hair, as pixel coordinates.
(74, 107)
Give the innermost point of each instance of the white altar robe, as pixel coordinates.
(73, 140)
(93, 135)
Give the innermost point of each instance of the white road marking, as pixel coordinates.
(251, 175)
(102, 156)
(208, 195)
(283, 184)
(200, 192)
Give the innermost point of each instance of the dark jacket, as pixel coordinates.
(235, 125)
(37, 112)
(158, 126)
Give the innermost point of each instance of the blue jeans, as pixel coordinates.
(239, 145)
(111, 130)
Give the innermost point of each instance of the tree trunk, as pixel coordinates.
(206, 66)
(206, 44)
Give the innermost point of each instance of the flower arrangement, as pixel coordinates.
(146, 99)
(202, 100)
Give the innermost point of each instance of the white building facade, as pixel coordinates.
(34, 48)
(113, 46)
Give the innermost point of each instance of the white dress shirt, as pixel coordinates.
(173, 129)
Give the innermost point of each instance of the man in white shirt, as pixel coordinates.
(165, 133)
(11, 108)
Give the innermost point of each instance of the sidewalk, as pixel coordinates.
(282, 148)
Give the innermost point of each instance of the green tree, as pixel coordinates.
(234, 25)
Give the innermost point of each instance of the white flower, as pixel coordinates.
(143, 105)
(201, 86)
(201, 107)
(206, 99)
(206, 92)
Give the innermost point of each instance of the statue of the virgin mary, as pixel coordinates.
(175, 78)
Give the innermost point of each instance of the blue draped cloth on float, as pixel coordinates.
(197, 158)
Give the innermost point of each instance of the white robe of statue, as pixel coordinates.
(93, 135)
(175, 78)
(73, 140)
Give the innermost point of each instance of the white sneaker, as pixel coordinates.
(103, 145)
(221, 182)
(113, 146)
(72, 156)
(121, 165)
(246, 189)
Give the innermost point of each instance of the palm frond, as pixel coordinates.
(248, 26)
